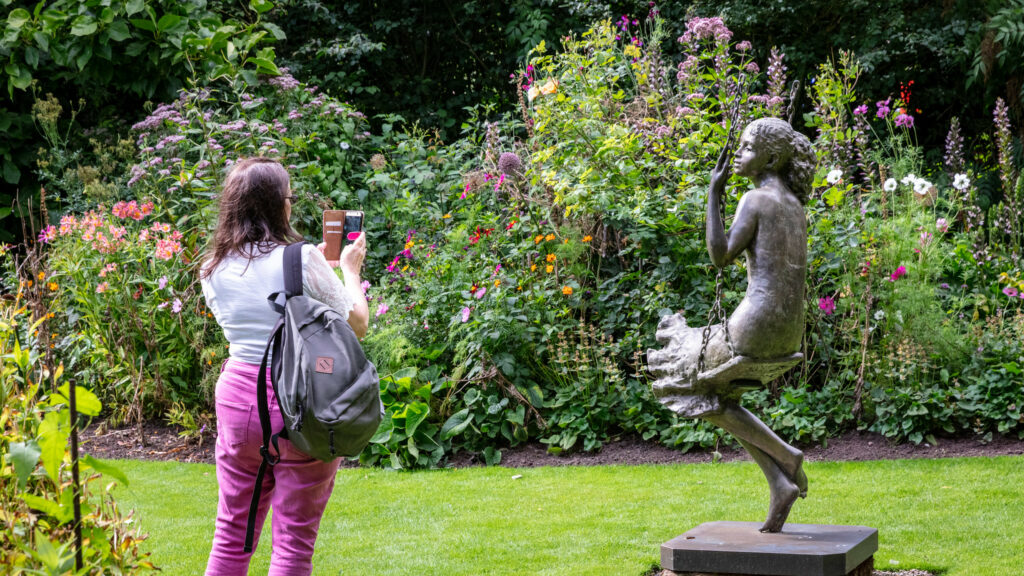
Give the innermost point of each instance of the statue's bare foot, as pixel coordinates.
(783, 494)
(801, 481)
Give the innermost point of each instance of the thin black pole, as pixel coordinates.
(74, 477)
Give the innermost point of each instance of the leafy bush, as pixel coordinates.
(36, 487)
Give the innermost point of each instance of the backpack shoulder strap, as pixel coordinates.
(293, 269)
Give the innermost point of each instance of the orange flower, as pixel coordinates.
(538, 239)
(567, 290)
(551, 257)
(549, 269)
(447, 216)
(520, 288)
(549, 237)
(42, 275)
(587, 238)
(52, 286)
(533, 268)
(497, 282)
(566, 241)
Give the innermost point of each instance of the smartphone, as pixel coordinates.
(334, 221)
(353, 225)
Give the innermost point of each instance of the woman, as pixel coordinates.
(765, 331)
(242, 265)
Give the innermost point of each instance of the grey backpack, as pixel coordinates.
(327, 391)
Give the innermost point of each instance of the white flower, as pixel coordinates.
(834, 176)
(344, 145)
(921, 186)
(889, 185)
(909, 180)
(961, 182)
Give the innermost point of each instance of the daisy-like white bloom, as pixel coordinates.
(921, 186)
(834, 176)
(909, 180)
(889, 185)
(961, 182)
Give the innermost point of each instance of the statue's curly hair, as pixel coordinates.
(794, 159)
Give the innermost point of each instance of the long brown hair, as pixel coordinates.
(252, 220)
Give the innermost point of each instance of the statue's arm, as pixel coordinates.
(724, 247)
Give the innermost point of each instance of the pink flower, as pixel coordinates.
(897, 274)
(480, 293)
(941, 225)
(905, 121)
(1010, 291)
(827, 305)
(166, 249)
(861, 110)
(381, 310)
(162, 283)
(465, 314)
(176, 306)
(365, 285)
(48, 234)
(103, 287)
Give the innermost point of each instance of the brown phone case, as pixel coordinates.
(334, 222)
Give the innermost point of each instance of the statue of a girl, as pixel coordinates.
(765, 331)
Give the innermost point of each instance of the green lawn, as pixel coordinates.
(961, 516)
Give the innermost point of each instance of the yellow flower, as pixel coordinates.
(549, 237)
(567, 290)
(633, 51)
(404, 268)
(587, 238)
(409, 244)
(549, 269)
(28, 283)
(52, 286)
(538, 239)
(551, 258)
(497, 283)
(42, 275)
(447, 215)
(566, 241)
(533, 268)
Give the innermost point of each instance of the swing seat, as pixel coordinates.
(743, 368)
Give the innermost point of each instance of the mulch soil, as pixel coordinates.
(155, 441)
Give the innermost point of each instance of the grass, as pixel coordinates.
(956, 516)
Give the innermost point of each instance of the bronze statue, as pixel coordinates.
(701, 372)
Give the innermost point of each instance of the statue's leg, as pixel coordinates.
(782, 489)
(746, 427)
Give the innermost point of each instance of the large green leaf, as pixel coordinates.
(18, 17)
(11, 172)
(456, 424)
(168, 21)
(134, 6)
(24, 456)
(261, 6)
(118, 31)
(83, 26)
(105, 468)
(86, 403)
(415, 413)
(52, 443)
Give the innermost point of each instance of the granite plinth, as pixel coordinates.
(799, 550)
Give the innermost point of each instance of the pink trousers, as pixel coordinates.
(297, 488)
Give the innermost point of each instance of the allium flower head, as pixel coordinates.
(509, 163)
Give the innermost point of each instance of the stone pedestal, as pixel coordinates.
(737, 548)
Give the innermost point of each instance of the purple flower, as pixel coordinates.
(897, 274)
(861, 110)
(162, 283)
(905, 121)
(176, 306)
(827, 305)
(743, 46)
(465, 314)
(883, 108)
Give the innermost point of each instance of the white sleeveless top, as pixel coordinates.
(236, 292)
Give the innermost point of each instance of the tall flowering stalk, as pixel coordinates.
(776, 82)
(954, 158)
(1008, 220)
(1004, 141)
